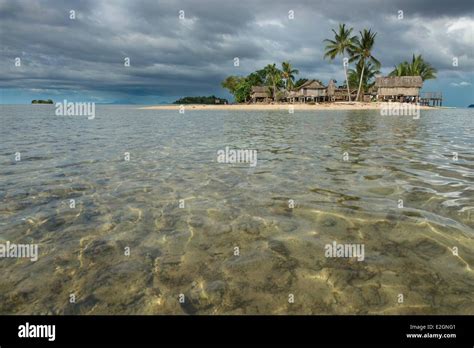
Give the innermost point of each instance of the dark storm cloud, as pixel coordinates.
(437, 8)
(178, 57)
(371, 10)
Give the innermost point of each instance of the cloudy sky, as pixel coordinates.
(82, 59)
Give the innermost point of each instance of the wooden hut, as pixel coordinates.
(399, 88)
(335, 93)
(260, 94)
(311, 90)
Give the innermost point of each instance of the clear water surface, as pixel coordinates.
(135, 204)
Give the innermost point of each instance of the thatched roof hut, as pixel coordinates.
(311, 84)
(311, 88)
(399, 86)
(339, 93)
(259, 92)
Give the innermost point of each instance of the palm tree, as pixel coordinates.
(400, 69)
(362, 52)
(343, 43)
(231, 83)
(288, 74)
(370, 70)
(417, 67)
(273, 78)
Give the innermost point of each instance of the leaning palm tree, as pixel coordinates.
(417, 67)
(288, 74)
(273, 78)
(362, 53)
(343, 43)
(368, 80)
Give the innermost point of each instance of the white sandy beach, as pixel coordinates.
(320, 106)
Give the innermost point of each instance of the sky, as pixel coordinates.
(83, 58)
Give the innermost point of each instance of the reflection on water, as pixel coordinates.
(191, 250)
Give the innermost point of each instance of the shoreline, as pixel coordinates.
(256, 107)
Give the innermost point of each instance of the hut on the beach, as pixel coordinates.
(311, 90)
(399, 88)
(335, 93)
(260, 94)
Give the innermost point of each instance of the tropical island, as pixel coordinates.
(274, 87)
(42, 101)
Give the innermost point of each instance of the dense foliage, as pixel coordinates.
(271, 76)
(40, 101)
(201, 100)
(417, 67)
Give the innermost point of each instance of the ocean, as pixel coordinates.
(134, 212)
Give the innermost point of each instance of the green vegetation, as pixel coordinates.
(40, 101)
(201, 100)
(271, 76)
(362, 53)
(288, 75)
(417, 67)
(343, 43)
(239, 87)
(368, 78)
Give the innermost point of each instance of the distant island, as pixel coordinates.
(471, 106)
(202, 100)
(41, 101)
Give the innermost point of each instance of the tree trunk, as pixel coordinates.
(347, 80)
(360, 83)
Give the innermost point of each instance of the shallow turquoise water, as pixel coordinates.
(191, 251)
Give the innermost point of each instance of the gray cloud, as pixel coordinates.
(172, 57)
